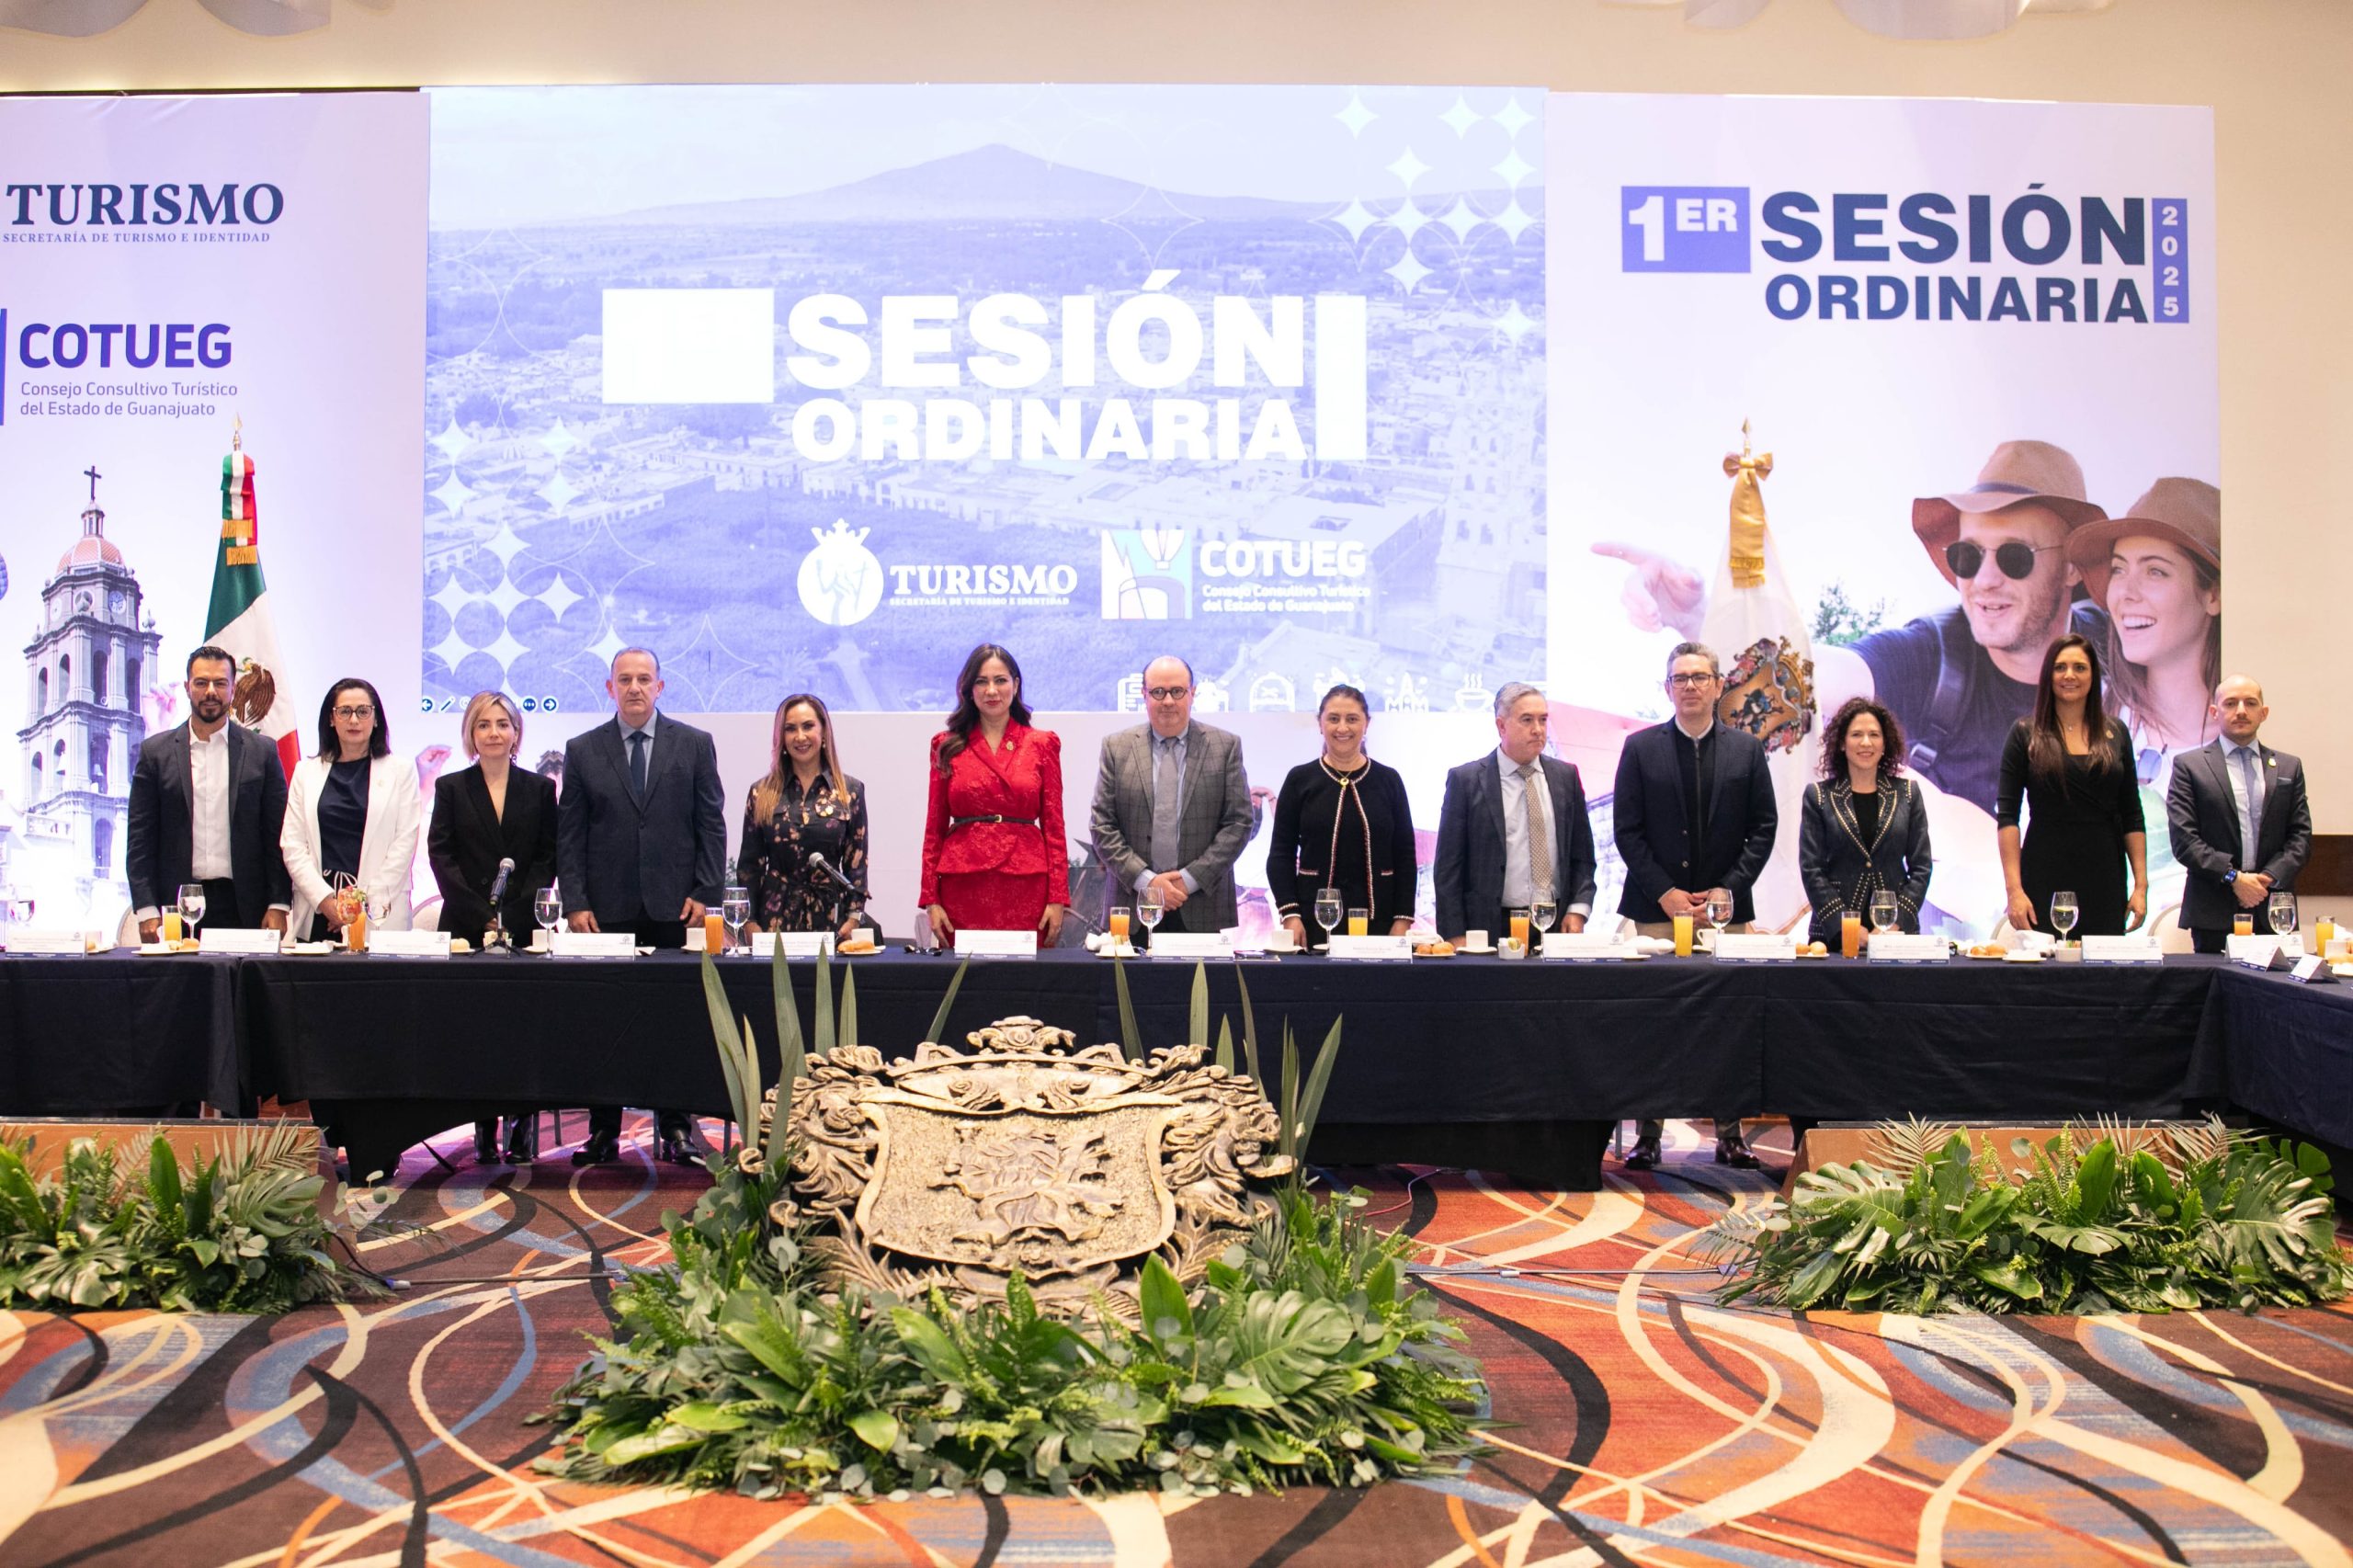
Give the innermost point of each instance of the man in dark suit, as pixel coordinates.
(1172, 807)
(1695, 816)
(2225, 796)
(640, 846)
(208, 803)
(1491, 816)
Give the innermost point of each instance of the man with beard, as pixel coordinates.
(1958, 679)
(208, 800)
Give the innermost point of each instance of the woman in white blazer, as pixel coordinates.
(352, 808)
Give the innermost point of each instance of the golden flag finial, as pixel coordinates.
(1747, 470)
(237, 433)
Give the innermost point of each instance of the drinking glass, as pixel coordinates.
(1541, 915)
(547, 908)
(1360, 922)
(2283, 913)
(1149, 910)
(734, 907)
(1720, 912)
(191, 904)
(2062, 912)
(1884, 915)
(1328, 911)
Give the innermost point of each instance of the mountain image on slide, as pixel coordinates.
(996, 183)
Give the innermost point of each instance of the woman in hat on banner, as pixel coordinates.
(2157, 571)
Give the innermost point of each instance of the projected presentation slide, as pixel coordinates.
(819, 386)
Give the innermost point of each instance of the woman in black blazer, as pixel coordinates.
(1342, 821)
(1865, 827)
(493, 812)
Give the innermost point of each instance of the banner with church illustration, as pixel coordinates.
(169, 268)
(817, 387)
(1954, 326)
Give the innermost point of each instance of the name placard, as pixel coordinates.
(594, 945)
(2256, 952)
(2313, 971)
(1755, 947)
(797, 944)
(50, 943)
(1896, 946)
(1373, 950)
(1195, 946)
(2121, 949)
(239, 939)
(409, 943)
(1576, 947)
(996, 944)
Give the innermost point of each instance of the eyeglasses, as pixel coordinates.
(2016, 560)
(1165, 693)
(354, 712)
(1688, 679)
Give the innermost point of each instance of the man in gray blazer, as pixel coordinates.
(208, 799)
(640, 846)
(1172, 807)
(1484, 866)
(2216, 793)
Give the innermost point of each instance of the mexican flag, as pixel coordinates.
(1757, 628)
(239, 619)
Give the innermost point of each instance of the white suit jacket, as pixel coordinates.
(387, 848)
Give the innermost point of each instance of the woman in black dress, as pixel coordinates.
(2072, 766)
(1865, 829)
(805, 806)
(482, 815)
(1342, 821)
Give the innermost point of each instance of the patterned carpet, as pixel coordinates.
(1645, 1424)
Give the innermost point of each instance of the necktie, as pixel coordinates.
(2250, 809)
(1539, 837)
(637, 764)
(1163, 805)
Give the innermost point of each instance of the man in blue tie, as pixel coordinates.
(2240, 822)
(640, 846)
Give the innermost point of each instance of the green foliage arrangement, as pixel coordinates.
(1306, 1355)
(240, 1232)
(2137, 1220)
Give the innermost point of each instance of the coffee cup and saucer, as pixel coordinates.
(1475, 942)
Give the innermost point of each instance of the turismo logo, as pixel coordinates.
(841, 579)
(1147, 575)
(31, 204)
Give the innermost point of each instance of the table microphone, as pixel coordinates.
(828, 869)
(496, 939)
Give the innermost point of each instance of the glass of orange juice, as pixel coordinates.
(356, 930)
(1119, 926)
(1519, 926)
(171, 926)
(2242, 924)
(1683, 935)
(1360, 922)
(714, 932)
(1850, 934)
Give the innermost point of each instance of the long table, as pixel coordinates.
(1516, 1065)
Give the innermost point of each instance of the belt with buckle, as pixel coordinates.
(954, 822)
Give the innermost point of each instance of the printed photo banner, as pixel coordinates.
(210, 315)
(1924, 311)
(847, 378)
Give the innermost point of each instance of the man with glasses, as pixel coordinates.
(1695, 818)
(1958, 679)
(2240, 823)
(1172, 808)
(208, 800)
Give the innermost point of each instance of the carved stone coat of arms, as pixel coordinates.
(1070, 1163)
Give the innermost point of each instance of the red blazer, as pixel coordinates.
(1022, 780)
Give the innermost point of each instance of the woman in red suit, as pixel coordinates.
(993, 848)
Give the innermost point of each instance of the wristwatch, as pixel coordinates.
(2230, 876)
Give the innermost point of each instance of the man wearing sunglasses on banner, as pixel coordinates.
(1958, 679)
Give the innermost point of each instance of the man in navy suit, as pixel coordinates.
(1491, 815)
(640, 846)
(2226, 797)
(1695, 816)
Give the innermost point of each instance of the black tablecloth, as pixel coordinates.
(1463, 1047)
(116, 1036)
(2280, 1048)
